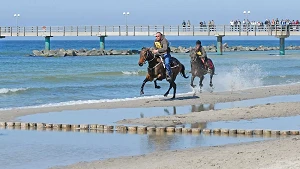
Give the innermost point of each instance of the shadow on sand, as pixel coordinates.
(181, 98)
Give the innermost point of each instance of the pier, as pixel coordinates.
(219, 31)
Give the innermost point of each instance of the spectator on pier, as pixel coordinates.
(183, 25)
(188, 23)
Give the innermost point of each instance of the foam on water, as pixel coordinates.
(130, 73)
(14, 90)
(79, 102)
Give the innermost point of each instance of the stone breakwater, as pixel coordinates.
(98, 52)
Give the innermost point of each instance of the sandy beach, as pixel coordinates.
(275, 153)
(181, 100)
(272, 154)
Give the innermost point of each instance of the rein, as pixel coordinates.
(146, 57)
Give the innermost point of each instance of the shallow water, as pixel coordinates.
(23, 149)
(274, 123)
(110, 116)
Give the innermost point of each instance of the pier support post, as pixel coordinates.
(47, 43)
(219, 44)
(102, 42)
(282, 44)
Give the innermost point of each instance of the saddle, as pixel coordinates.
(208, 64)
(173, 61)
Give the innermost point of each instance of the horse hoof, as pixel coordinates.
(157, 87)
(141, 93)
(166, 95)
(211, 85)
(193, 86)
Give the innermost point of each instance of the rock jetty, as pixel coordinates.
(98, 52)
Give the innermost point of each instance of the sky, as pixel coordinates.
(142, 12)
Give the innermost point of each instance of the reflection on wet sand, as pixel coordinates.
(202, 107)
(194, 108)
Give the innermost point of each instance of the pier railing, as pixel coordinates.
(150, 30)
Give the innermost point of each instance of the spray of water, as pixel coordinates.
(238, 78)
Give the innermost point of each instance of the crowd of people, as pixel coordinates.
(265, 25)
(267, 22)
(247, 24)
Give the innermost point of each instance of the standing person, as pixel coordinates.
(161, 48)
(188, 24)
(183, 25)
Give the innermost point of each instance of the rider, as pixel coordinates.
(161, 48)
(200, 52)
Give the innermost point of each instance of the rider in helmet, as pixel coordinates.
(161, 47)
(200, 52)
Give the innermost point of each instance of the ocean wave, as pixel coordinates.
(13, 90)
(80, 102)
(131, 73)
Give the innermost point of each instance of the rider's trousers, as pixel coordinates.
(167, 63)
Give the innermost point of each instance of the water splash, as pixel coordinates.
(240, 77)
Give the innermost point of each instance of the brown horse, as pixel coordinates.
(157, 71)
(198, 70)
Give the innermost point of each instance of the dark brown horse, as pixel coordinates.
(157, 71)
(198, 69)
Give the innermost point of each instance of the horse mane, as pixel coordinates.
(193, 52)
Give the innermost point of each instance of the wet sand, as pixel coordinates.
(181, 100)
(274, 154)
(260, 111)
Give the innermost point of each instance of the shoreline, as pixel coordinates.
(181, 100)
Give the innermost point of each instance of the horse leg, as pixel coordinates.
(142, 87)
(201, 83)
(210, 83)
(155, 82)
(166, 94)
(174, 88)
(192, 81)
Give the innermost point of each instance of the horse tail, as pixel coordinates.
(182, 72)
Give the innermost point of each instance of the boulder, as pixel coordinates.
(70, 52)
(61, 53)
(37, 53)
(93, 52)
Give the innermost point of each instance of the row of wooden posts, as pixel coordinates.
(145, 129)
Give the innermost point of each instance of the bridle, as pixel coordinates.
(194, 58)
(148, 54)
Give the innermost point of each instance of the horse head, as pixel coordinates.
(193, 56)
(145, 55)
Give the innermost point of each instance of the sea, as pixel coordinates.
(27, 81)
